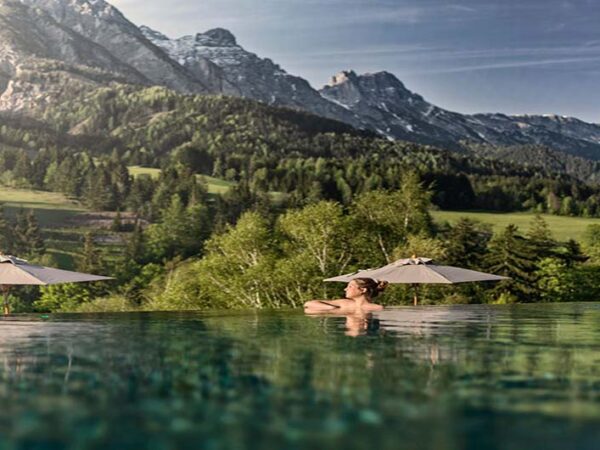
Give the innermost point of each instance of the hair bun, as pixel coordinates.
(381, 286)
(371, 286)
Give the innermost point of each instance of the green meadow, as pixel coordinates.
(563, 228)
(136, 171)
(57, 215)
(214, 185)
(52, 209)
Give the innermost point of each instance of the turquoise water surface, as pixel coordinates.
(464, 377)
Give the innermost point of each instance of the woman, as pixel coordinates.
(359, 293)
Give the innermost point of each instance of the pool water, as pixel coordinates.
(463, 377)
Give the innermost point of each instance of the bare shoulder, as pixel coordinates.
(373, 307)
(340, 301)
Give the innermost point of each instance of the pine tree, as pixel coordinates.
(121, 180)
(117, 223)
(67, 178)
(100, 194)
(466, 243)
(510, 255)
(20, 243)
(39, 167)
(35, 243)
(22, 170)
(6, 234)
(540, 238)
(134, 251)
(571, 254)
(91, 259)
(141, 193)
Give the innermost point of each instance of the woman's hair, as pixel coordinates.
(372, 286)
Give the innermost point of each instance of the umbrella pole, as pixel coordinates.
(5, 289)
(415, 294)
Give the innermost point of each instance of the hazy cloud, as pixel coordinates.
(513, 64)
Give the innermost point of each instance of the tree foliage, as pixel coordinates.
(311, 198)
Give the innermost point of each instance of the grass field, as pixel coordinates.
(136, 171)
(56, 215)
(563, 228)
(52, 209)
(214, 185)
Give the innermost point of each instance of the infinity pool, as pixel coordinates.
(466, 377)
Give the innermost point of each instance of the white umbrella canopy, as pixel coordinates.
(16, 271)
(417, 271)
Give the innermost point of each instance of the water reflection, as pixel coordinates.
(361, 324)
(357, 324)
(423, 323)
(431, 378)
(434, 320)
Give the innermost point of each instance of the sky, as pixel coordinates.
(509, 56)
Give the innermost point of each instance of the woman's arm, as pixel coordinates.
(321, 305)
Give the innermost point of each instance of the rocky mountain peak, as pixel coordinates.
(345, 76)
(560, 118)
(153, 35)
(93, 8)
(217, 37)
(98, 8)
(378, 81)
(248, 75)
(350, 88)
(385, 79)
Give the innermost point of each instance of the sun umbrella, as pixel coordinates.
(15, 271)
(417, 271)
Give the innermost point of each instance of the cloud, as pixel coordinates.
(462, 8)
(512, 65)
(422, 54)
(355, 51)
(495, 53)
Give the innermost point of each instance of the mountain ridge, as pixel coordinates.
(48, 45)
(404, 114)
(254, 77)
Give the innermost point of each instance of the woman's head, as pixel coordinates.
(368, 287)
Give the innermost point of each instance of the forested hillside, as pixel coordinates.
(543, 158)
(301, 185)
(271, 149)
